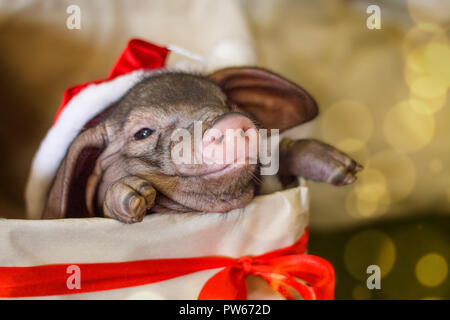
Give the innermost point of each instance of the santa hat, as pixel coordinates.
(82, 103)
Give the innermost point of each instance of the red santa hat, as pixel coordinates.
(82, 103)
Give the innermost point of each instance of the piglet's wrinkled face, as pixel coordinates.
(177, 131)
(184, 142)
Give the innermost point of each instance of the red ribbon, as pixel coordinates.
(288, 271)
(138, 54)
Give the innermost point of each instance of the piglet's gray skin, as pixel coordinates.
(120, 166)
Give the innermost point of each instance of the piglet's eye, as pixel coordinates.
(143, 133)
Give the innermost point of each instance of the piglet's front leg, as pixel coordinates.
(317, 161)
(128, 199)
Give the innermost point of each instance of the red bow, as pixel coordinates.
(287, 268)
(281, 269)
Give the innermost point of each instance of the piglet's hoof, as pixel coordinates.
(318, 161)
(128, 199)
(345, 170)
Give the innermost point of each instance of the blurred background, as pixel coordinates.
(382, 95)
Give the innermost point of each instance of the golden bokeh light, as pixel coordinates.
(435, 166)
(418, 36)
(428, 87)
(371, 186)
(350, 145)
(437, 59)
(399, 171)
(360, 208)
(361, 292)
(347, 124)
(431, 270)
(425, 15)
(407, 130)
(427, 106)
(415, 61)
(428, 59)
(370, 247)
(431, 298)
(370, 196)
(429, 27)
(387, 178)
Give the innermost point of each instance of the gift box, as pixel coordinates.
(254, 252)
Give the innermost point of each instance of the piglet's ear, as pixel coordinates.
(274, 102)
(73, 184)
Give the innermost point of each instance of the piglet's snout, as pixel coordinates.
(232, 139)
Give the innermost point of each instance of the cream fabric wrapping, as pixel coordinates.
(269, 222)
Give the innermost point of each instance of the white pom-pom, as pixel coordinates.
(228, 53)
